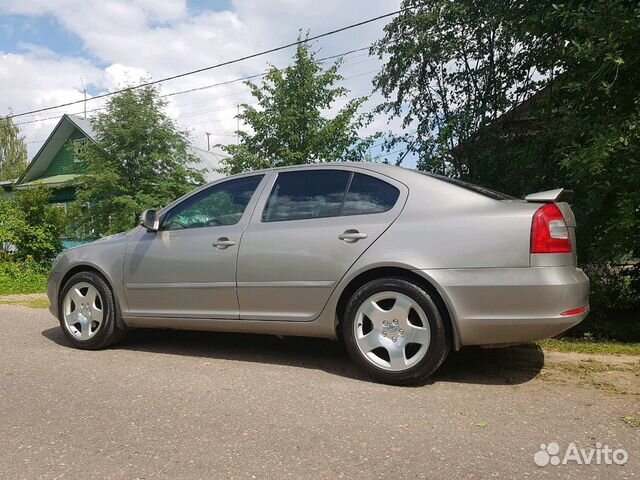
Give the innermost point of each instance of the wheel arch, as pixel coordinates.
(398, 272)
(85, 267)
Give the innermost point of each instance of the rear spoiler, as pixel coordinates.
(550, 196)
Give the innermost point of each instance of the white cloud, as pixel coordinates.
(120, 76)
(135, 38)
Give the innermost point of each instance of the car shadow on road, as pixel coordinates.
(500, 366)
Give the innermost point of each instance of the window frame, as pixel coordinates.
(351, 174)
(79, 146)
(178, 203)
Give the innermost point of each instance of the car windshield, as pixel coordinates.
(487, 192)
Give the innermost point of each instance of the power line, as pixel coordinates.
(244, 92)
(197, 112)
(190, 90)
(258, 75)
(229, 107)
(222, 64)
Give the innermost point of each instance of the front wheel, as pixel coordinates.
(88, 312)
(393, 329)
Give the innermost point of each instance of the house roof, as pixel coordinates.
(54, 181)
(208, 162)
(7, 185)
(42, 159)
(517, 120)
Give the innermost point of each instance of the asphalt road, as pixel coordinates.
(207, 405)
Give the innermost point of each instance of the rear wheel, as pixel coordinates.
(88, 312)
(393, 329)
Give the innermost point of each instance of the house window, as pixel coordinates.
(80, 146)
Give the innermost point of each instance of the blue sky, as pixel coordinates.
(198, 6)
(49, 48)
(16, 31)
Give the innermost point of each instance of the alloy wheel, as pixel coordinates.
(82, 310)
(392, 331)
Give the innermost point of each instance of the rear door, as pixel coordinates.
(310, 226)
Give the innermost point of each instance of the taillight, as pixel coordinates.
(549, 232)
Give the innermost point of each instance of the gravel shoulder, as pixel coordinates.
(211, 405)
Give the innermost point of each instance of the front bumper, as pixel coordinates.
(492, 306)
(52, 291)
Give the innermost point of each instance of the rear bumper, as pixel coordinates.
(492, 306)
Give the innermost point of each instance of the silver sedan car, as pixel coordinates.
(401, 266)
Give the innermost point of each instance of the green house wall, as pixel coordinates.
(63, 162)
(63, 195)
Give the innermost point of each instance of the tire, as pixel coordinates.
(395, 316)
(87, 312)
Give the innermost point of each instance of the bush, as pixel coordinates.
(615, 303)
(30, 227)
(22, 277)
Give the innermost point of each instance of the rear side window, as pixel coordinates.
(327, 193)
(306, 194)
(369, 195)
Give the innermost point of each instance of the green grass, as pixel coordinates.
(22, 277)
(632, 420)
(590, 346)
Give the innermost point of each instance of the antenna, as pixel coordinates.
(208, 146)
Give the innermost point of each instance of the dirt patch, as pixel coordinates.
(615, 374)
(32, 300)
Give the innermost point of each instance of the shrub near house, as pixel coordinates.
(30, 229)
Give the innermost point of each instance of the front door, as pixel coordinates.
(306, 235)
(188, 267)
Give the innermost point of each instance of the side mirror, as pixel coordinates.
(150, 220)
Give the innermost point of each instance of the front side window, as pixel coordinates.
(306, 194)
(222, 204)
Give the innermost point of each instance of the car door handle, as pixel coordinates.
(223, 242)
(351, 236)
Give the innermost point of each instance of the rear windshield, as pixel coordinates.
(487, 192)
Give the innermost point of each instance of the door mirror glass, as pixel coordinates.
(150, 220)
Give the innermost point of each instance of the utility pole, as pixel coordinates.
(208, 145)
(238, 126)
(84, 90)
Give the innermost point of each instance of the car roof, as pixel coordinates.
(381, 167)
(405, 175)
(395, 172)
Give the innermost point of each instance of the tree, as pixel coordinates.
(454, 68)
(30, 227)
(13, 151)
(290, 126)
(140, 160)
(597, 121)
